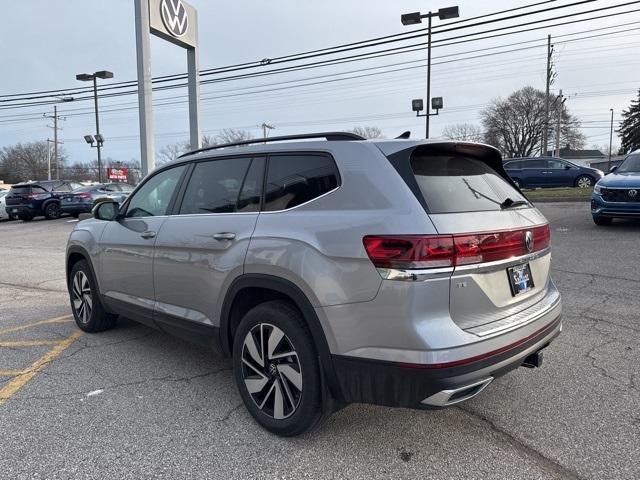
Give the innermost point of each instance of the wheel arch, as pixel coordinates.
(75, 253)
(252, 289)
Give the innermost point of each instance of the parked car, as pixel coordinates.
(550, 172)
(400, 273)
(618, 193)
(4, 215)
(82, 199)
(35, 199)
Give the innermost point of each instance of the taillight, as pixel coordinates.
(82, 195)
(436, 251)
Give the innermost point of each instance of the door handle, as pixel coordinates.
(148, 234)
(224, 236)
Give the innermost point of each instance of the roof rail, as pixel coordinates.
(329, 136)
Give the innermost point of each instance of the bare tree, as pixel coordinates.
(368, 132)
(231, 135)
(515, 125)
(28, 161)
(463, 132)
(170, 152)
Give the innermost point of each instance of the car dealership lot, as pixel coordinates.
(136, 403)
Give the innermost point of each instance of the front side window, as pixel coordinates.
(296, 179)
(215, 186)
(554, 163)
(154, 197)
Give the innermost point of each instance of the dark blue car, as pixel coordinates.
(35, 199)
(550, 172)
(618, 194)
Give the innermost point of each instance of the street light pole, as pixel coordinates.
(610, 140)
(95, 102)
(428, 76)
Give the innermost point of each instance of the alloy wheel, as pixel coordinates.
(271, 371)
(82, 299)
(584, 182)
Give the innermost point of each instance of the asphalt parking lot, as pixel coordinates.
(136, 403)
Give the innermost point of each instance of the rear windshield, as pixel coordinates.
(26, 189)
(452, 184)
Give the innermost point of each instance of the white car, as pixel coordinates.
(3, 212)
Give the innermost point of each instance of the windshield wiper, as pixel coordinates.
(508, 203)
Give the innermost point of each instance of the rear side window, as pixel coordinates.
(534, 164)
(513, 165)
(215, 186)
(452, 184)
(21, 190)
(296, 179)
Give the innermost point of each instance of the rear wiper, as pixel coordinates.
(508, 203)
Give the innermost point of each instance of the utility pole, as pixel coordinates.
(559, 113)
(265, 127)
(55, 117)
(545, 133)
(610, 140)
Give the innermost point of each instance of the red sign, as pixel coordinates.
(117, 173)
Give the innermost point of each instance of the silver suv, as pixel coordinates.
(330, 269)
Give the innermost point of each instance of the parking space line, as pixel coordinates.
(62, 319)
(28, 343)
(11, 373)
(23, 378)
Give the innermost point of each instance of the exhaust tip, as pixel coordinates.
(445, 398)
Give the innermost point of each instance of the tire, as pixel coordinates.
(88, 311)
(13, 216)
(75, 215)
(584, 181)
(602, 221)
(52, 211)
(291, 382)
(25, 217)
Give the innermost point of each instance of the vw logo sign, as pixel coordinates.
(632, 193)
(528, 240)
(174, 16)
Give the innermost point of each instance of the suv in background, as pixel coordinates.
(35, 199)
(394, 272)
(82, 199)
(618, 194)
(550, 172)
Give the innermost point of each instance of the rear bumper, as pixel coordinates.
(396, 384)
(602, 208)
(22, 210)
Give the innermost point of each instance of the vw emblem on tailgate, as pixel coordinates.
(174, 16)
(632, 193)
(528, 240)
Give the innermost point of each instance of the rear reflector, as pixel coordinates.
(437, 251)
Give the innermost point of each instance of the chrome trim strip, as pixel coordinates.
(414, 275)
(499, 264)
(441, 399)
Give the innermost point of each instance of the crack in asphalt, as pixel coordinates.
(31, 287)
(547, 464)
(593, 275)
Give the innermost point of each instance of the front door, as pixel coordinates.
(126, 260)
(201, 249)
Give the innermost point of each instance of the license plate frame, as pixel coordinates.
(520, 279)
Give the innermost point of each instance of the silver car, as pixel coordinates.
(330, 269)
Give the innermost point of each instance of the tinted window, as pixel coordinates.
(249, 199)
(215, 186)
(536, 163)
(460, 184)
(513, 165)
(554, 163)
(154, 196)
(630, 164)
(21, 190)
(296, 179)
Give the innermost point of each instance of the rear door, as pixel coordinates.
(534, 172)
(502, 264)
(201, 247)
(126, 260)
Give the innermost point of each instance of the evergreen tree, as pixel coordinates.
(630, 127)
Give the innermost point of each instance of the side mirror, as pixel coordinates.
(613, 169)
(567, 167)
(106, 210)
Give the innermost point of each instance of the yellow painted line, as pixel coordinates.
(11, 388)
(11, 373)
(28, 343)
(62, 319)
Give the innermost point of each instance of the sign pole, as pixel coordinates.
(145, 107)
(193, 70)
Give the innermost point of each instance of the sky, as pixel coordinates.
(48, 43)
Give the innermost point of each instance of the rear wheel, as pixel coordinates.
(276, 369)
(88, 311)
(52, 211)
(75, 215)
(584, 181)
(602, 221)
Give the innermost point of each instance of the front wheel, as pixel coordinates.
(87, 309)
(584, 181)
(52, 211)
(276, 369)
(602, 221)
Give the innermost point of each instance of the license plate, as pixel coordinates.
(520, 279)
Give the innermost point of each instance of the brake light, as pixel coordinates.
(437, 251)
(83, 195)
